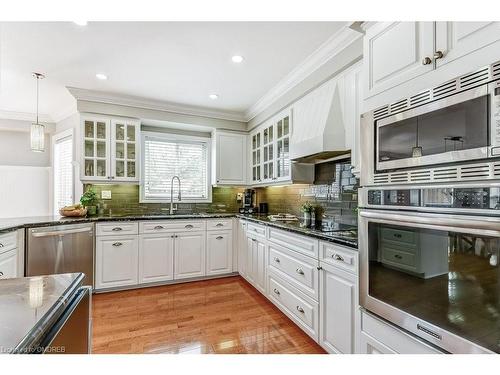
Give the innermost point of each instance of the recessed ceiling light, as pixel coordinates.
(213, 96)
(237, 59)
(101, 76)
(81, 23)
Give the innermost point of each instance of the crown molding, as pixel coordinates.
(157, 105)
(329, 49)
(25, 116)
(64, 114)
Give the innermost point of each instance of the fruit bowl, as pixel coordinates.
(73, 211)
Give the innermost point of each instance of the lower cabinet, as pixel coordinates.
(242, 247)
(339, 311)
(8, 264)
(117, 260)
(219, 252)
(156, 258)
(256, 263)
(369, 345)
(189, 255)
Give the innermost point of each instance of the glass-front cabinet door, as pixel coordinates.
(124, 148)
(256, 148)
(268, 152)
(95, 149)
(283, 131)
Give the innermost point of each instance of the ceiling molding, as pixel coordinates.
(329, 49)
(65, 113)
(157, 105)
(25, 116)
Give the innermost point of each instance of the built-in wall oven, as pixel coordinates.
(429, 259)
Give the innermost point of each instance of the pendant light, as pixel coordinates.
(37, 134)
(416, 151)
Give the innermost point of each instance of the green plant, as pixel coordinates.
(306, 207)
(89, 198)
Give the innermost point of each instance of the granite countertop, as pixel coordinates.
(29, 306)
(348, 238)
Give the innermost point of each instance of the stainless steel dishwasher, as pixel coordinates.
(61, 249)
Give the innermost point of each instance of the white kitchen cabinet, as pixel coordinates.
(242, 247)
(219, 252)
(457, 39)
(117, 259)
(8, 264)
(352, 114)
(339, 311)
(156, 258)
(229, 158)
(256, 263)
(189, 255)
(110, 149)
(370, 345)
(395, 52)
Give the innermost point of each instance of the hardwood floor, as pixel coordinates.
(215, 316)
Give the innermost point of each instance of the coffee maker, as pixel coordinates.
(248, 202)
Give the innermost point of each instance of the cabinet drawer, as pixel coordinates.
(219, 224)
(398, 235)
(398, 258)
(256, 229)
(116, 228)
(301, 309)
(302, 244)
(8, 241)
(297, 269)
(8, 264)
(171, 226)
(340, 256)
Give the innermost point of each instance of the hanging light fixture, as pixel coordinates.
(37, 134)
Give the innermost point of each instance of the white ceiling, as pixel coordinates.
(179, 62)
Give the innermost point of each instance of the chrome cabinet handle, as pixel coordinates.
(1, 273)
(116, 229)
(117, 244)
(1, 244)
(338, 257)
(159, 227)
(426, 61)
(219, 238)
(438, 55)
(276, 291)
(299, 271)
(219, 225)
(397, 235)
(254, 240)
(174, 236)
(189, 226)
(300, 309)
(277, 260)
(397, 256)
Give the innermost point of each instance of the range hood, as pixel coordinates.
(319, 129)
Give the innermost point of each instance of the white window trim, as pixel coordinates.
(56, 137)
(174, 137)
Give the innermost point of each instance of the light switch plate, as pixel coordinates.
(106, 194)
(239, 197)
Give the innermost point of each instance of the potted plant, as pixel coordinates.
(306, 208)
(89, 200)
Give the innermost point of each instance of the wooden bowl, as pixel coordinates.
(74, 213)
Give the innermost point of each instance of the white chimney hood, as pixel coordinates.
(319, 129)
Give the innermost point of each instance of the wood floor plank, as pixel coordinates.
(215, 316)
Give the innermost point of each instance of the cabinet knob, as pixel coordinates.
(219, 225)
(300, 309)
(299, 271)
(397, 256)
(426, 61)
(1, 273)
(219, 238)
(277, 260)
(116, 229)
(117, 244)
(438, 55)
(338, 257)
(276, 291)
(1, 244)
(159, 227)
(189, 226)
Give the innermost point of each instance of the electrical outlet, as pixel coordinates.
(239, 197)
(106, 194)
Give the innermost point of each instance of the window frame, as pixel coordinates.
(68, 133)
(174, 137)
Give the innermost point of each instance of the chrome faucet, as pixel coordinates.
(172, 194)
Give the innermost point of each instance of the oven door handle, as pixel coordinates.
(432, 220)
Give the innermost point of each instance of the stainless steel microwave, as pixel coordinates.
(456, 122)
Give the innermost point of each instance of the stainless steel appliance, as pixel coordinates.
(61, 249)
(429, 261)
(447, 133)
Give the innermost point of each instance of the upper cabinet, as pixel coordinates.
(398, 52)
(229, 158)
(110, 149)
(269, 153)
(395, 52)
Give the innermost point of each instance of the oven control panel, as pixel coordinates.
(462, 198)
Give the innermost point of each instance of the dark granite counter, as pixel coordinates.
(29, 306)
(342, 234)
